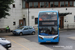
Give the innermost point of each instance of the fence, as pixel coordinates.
(69, 26)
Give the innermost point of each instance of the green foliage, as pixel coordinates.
(4, 7)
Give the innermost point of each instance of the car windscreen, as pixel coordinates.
(3, 38)
(20, 28)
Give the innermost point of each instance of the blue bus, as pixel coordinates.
(48, 26)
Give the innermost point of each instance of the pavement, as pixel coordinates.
(2, 48)
(72, 38)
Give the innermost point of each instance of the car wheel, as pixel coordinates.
(33, 33)
(21, 34)
(13, 34)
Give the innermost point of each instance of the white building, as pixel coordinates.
(26, 12)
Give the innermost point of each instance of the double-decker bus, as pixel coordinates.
(48, 26)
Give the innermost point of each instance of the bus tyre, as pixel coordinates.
(33, 33)
(57, 42)
(21, 34)
(41, 42)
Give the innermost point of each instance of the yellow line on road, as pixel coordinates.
(20, 44)
(22, 49)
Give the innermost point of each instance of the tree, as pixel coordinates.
(4, 7)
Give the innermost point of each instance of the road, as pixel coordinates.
(30, 42)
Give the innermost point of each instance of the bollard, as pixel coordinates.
(37, 28)
(67, 26)
(59, 28)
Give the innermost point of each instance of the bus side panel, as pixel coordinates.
(38, 28)
(58, 23)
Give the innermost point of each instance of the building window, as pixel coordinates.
(62, 4)
(36, 20)
(74, 3)
(23, 3)
(66, 4)
(71, 3)
(13, 5)
(74, 18)
(30, 4)
(14, 23)
(51, 4)
(35, 4)
(55, 4)
(46, 4)
(41, 4)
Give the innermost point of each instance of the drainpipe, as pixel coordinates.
(28, 15)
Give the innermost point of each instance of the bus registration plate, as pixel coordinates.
(47, 41)
(48, 37)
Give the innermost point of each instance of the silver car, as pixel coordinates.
(5, 43)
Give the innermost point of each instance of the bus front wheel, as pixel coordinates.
(56, 42)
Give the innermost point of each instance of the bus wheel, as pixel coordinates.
(40, 43)
(33, 33)
(57, 42)
(21, 34)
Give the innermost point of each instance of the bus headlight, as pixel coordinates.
(41, 38)
(55, 37)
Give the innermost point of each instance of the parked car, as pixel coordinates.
(5, 43)
(24, 30)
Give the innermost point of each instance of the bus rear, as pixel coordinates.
(48, 26)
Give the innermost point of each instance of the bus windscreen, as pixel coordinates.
(52, 30)
(48, 23)
(47, 19)
(47, 16)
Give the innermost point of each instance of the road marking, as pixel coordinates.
(22, 49)
(18, 44)
(72, 38)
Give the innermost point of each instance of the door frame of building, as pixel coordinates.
(61, 25)
(23, 22)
